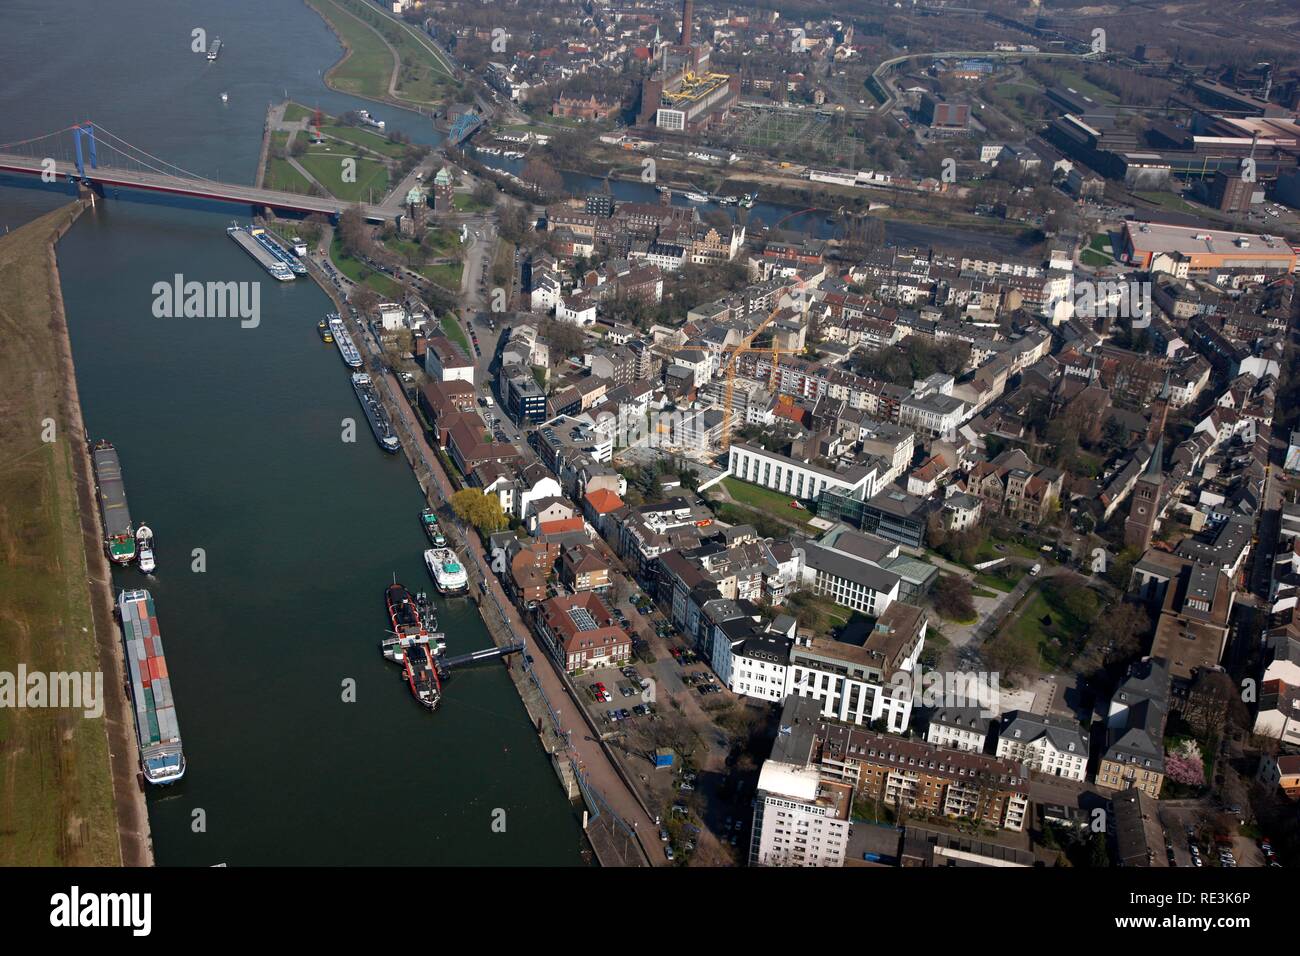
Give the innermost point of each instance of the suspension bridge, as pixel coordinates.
(88, 156)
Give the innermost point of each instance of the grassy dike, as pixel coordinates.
(57, 783)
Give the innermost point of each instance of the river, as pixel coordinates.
(231, 443)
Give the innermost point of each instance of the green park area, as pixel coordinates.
(765, 501)
(368, 65)
(1098, 252)
(361, 273)
(1047, 629)
(384, 52)
(360, 180)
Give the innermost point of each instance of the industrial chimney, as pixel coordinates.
(688, 14)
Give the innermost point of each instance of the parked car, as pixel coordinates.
(668, 852)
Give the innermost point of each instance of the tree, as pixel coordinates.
(481, 510)
(952, 598)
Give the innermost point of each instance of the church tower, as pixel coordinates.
(1145, 506)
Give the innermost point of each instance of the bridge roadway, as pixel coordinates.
(107, 176)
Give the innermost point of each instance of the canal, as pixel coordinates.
(232, 447)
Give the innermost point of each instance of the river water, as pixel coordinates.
(231, 443)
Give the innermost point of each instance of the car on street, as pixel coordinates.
(663, 835)
(668, 852)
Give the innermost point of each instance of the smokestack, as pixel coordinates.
(688, 14)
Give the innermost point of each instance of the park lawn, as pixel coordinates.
(446, 274)
(1097, 260)
(365, 139)
(354, 270)
(444, 242)
(1051, 644)
(280, 174)
(371, 176)
(765, 500)
(465, 202)
(369, 65)
(452, 328)
(296, 113)
(997, 582)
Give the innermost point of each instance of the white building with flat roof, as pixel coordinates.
(799, 819)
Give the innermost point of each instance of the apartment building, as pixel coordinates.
(1055, 746)
(905, 775)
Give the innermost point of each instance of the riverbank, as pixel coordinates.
(68, 790)
(373, 68)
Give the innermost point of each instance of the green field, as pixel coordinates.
(464, 202)
(283, 176)
(446, 274)
(296, 113)
(369, 65)
(371, 176)
(764, 499)
(56, 791)
(364, 138)
(422, 78)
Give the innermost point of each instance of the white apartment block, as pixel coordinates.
(799, 479)
(799, 820)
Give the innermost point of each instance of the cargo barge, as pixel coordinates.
(215, 50)
(375, 413)
(343, 340)
(267, 240)
(265, 259)
(119, 536)
(156, 727)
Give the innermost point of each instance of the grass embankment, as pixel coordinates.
(371, 39)
(56, 788)
(451, 328)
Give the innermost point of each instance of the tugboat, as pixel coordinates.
(409, 646)
(326, 335)
(144, 548)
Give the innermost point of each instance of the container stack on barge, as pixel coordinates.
(119, 536)
(244, 239)
(156, 727)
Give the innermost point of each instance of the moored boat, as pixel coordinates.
(448, 573)
(119, 536)
(429, 520)
(159, 735)
(326, 335)
(144, 549)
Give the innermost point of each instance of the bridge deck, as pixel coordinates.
(201, 188)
